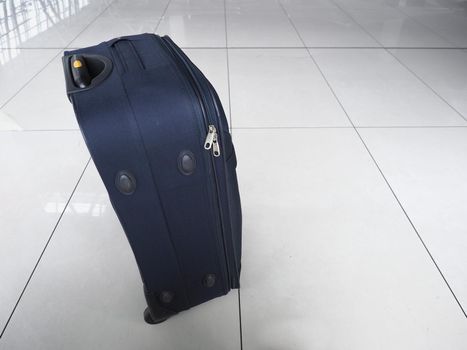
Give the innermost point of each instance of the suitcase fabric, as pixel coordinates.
(159, 138)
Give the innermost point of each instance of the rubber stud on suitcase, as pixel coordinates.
(186, 162)
(125, 182)
(209, 280)
(166, 297)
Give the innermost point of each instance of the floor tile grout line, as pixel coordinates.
(411, 223)
(345, 12)
(31, 79)
(231, 131)
(240, 317)
(294, 27)
(426, 84)
(45, 247)
(397, 9)
(316, 64)
(388, 50)
(425, 26)
(384, 178)
(397, 199)
(228, 64)
(89, 24)
(162, 17)
(74, 189)
(54, 57)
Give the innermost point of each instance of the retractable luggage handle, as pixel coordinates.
(85, 71)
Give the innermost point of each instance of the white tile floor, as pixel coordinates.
(350, 122)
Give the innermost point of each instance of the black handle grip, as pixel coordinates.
(85, 71)
(79, 71)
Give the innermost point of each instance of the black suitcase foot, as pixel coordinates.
(150, 320)
(156, 312)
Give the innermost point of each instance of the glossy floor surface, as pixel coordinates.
(350, 123)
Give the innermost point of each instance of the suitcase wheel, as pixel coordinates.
(150, 320)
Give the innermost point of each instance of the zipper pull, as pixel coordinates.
(216, 150)
(210, 137)
(211, 141)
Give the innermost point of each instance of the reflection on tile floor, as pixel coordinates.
(354, 238)
(37, 24)
(39, 172)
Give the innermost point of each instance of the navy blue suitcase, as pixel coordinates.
(159, 138)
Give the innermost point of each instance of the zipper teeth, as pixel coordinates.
(216, 106)
(207, 122)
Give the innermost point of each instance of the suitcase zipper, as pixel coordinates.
(210, 142)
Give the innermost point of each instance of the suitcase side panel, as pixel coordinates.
(108, 126)
(169, 124)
